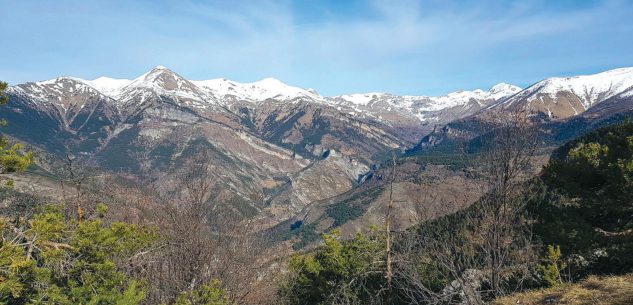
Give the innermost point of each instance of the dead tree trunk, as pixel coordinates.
(389, 273)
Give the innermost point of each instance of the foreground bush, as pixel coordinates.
(49, 259)
(339, 272)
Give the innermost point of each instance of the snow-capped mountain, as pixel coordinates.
(562, 97)
(564, 106)
(255, 135)
(558, 97)
(620, 102)
(161, 81)
(427, 109)
(433, 103)
(265, 89)
(66, 100)
(108, 86)
(55, 90)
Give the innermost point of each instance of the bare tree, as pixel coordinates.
(389, 267)
(484, 251)
(183, 263)
(201, 242)
(78, 184)
(506, 164)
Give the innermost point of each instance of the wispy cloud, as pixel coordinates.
(405, 46)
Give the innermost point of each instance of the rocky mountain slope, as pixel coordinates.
(275, 149)
(563, 97)
(557, 104)
(429, 110)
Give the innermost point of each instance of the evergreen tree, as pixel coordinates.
(52, 260)
(12, 157)
(551, 270)
(209, 294)
(340, 272)
(587, 204)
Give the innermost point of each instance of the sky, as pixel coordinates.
(415, 47)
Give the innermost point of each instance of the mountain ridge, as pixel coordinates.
(557, 97)
(268, 142)
(562, 97)
(213, 90)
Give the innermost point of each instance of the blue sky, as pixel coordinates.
(334, 46)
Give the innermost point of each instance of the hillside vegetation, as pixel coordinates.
(560, 229)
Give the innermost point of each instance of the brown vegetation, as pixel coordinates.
(595, 290)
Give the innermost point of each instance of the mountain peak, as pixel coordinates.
(109, 86)
(267, 88)
(157, 72)
(269, 80)
(162, 78)
(590, 89)
(504, 87)
(270, 83)
(160, 69)
(502, 90)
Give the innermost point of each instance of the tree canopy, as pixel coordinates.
(12, 155)
(588, 205)
(49, 259)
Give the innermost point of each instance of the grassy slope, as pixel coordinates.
(614, 290)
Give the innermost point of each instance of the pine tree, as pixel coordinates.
(55, 260)
(340, 272)
(12, 156)
(551, 270)
(209, 294)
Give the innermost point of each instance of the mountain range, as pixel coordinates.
(276, 150)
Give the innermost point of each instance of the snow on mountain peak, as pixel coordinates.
(57, 90)
(502, 90)
(161, 80)
(156, 73)
(108, 86)
(591, 89)
(504, 87)
(267, 88)
(269, 81)
(361, 99)
(432, 103)
(61, 84)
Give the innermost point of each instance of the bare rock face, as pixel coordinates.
(330, 176)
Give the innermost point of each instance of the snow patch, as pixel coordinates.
(110, 87)
(591, 89)
(268, 88)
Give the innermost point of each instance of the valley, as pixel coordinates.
(277, 150)
(273, 168)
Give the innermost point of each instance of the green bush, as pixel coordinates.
(52, 260)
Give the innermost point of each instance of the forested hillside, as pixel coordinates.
(570, 222)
